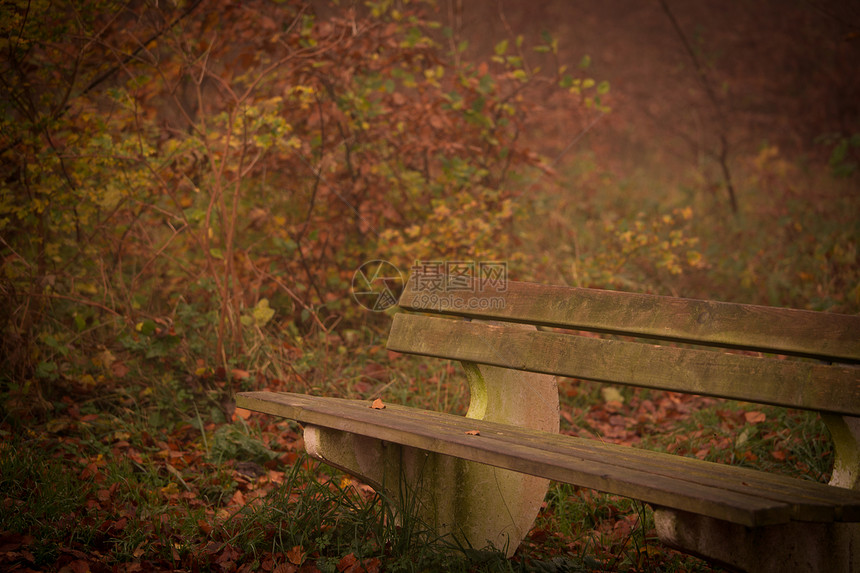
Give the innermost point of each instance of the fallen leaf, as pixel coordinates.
(377, 404)
(375, 370)
(611, 394)
(78, 566)
(473, 433)
(242, 413)
(754, 417)
(13, 541)
(347, 562)
(779, 455)
(119, 369)
(296, 555)
(744, 436)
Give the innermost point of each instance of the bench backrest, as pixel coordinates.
(797, 382)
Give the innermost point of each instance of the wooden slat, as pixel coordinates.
(811, 501)
(733, 494)
(795, 332)
(789, 383)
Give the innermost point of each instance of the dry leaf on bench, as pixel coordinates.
(473, 433)
(377, 404)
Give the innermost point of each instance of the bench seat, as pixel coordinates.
(738, 495)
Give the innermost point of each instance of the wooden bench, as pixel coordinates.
(483, 477)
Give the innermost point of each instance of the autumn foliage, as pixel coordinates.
(204, 159)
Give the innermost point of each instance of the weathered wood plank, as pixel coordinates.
(789, 383)
(796, 332)
(574, 460)
(815, 501)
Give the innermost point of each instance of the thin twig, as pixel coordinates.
(702, 75)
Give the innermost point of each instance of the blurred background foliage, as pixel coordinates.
(189, 187)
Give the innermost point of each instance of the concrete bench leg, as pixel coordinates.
(794, 547)
(845, 431)
(478, 504)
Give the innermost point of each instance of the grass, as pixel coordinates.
(120, 477)
(155, 469)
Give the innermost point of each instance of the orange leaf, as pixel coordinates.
(473, 433)
(754, 417)
(242, 413)
(347, 562)
(240, 374)
(296, 555)
(377, 404)
(779, 455)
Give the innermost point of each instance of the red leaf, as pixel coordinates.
(79, 566)
(372, 565)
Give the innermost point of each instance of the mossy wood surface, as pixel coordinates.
(738, 495)
(767, 329)
(790, 383)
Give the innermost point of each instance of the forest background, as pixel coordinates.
(187, 190)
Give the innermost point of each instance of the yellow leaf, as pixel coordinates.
(611, 394)
(262, 312)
